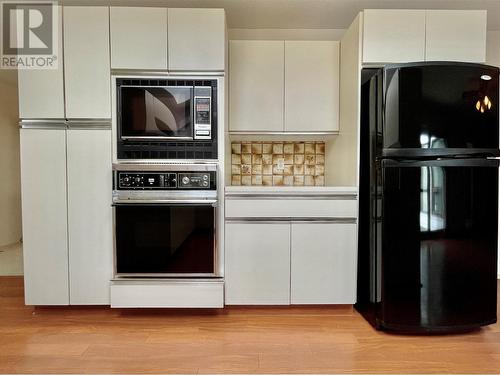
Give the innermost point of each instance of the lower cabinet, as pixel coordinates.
(257, 256)
(288, 262)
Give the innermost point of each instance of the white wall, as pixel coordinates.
(10, 188)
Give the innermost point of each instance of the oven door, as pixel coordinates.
(165, 240)
(155, 112)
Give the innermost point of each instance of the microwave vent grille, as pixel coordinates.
(167, 150)
(165, 82)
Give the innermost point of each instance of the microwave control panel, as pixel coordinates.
(202, 113)
(165, 180)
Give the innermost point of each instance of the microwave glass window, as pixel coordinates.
(156, 112)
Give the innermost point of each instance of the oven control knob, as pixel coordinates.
(185, 180)
(205, 183)
(205, 177)
(137, 180)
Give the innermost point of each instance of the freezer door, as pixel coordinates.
(437, 245)
(440, 109)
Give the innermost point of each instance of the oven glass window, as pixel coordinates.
(156, 112)
(165, 239)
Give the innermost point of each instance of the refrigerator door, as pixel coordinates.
(437, 245)
(433, 109)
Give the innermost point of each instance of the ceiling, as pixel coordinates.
(304, 14)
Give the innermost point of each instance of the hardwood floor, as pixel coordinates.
(233, 340)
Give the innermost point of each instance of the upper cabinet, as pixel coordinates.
(311, 86)
(86, 62)
(456, 35)
(256, 76)
(138, 38)
(41, 91)
(283, 86)
(393, 35)
(196, 39)
(398, 36)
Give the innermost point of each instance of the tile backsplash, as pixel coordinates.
(278, 163)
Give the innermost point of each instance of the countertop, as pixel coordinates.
(290, 190)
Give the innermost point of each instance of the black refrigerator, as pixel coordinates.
(428, 197)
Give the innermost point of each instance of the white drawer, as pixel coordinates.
(287, 207)
(164, 293)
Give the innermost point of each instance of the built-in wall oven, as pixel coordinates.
(160, 118)
(165, 220)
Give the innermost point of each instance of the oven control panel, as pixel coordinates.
(165, 180)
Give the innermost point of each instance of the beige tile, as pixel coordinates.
(246, 169)
(256, 148)
(246, 158)
(288, 148)
(257, 180)
(256, 168)
(298, 180)
(308, 170)
(319, 180)
(267, 180)
(320, 159)
(235, 169)
(288, 180)
(309, 148)
(298, 169)
(267, 169)
(267, 159)
(236, 148)
(276, 170)
(288, 158)
(298, 159)
(277, 157)
(308, 180)
(246, 148)
(310, 159)
(277, 148)
(319, 170)
(288, 171)
(246, 180)
(236, 180)
(256, 159)
(320, 148)
(235, 159)
(267, 148)
(298, 148)
(277, 180)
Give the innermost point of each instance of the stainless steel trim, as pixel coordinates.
(143, 138)
(164, 194)
(155, 74)
(162, 86)
(147, 280)
(166, 161)
(165, 167)
(312, 196)
(165, 276)
(42, 124)
(304, 220)
(104, 124)
(211, 202)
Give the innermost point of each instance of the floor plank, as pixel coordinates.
(233, 340)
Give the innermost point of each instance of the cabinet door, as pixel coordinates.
(86, 62)
(456, 35)
(257, 268)
(393, 35)
(89, 216)
(196, 39)
(43, 189)
(311, 86)
(41, 92)
(323, 263)
(138, 37)
(256, 78)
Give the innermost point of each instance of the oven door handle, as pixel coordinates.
(170, 202)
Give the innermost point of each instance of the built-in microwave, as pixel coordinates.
(166, 118)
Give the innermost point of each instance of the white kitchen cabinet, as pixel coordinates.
(456, 35)
(257, 270)
(393, 35)
(323, 263)
(138, 37)
(311, 86)
(89, 215)
(45, 242)
(86, 62)
(256, 75)
(196, 39)
(41, 91)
